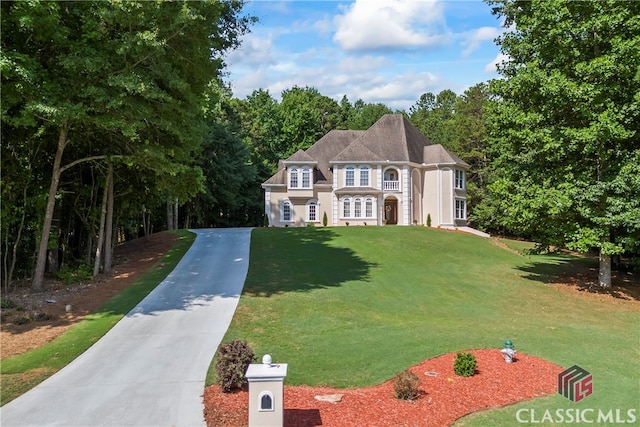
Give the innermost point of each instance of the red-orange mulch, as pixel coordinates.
(445, 398)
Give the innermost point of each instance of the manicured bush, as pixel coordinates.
(324, 219)
(465, 364)
(428, 220)
(406, 386)
(232, 360)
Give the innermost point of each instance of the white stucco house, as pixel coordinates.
(390, 174)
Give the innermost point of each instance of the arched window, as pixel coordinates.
(312, 211)
(286, 211)
(346, 207)
(293, 177)
(368, 207)
(357, 207)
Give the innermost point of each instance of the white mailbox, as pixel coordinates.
(266, 393)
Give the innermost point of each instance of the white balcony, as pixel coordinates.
(391, 185)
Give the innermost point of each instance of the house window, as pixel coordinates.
(293, 177)
(350, 176)
(312, 211)
(306, 178)
(357, 208)
(287, 211)
(364, 176)
(459, 179)
(368, 207)
(346, 208)
(461, 209)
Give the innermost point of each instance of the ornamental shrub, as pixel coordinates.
(465, 364)
(406, 386)
(324, 219)
(232, 360)
(428, 220)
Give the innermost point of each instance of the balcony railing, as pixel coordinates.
(391, 185)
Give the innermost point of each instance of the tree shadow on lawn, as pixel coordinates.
(581, 274)
(300, 260)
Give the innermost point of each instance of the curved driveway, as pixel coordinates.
(149, 369)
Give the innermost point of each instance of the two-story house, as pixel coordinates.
(388, 174)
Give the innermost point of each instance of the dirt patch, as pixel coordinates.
(625, 286)
(45, 313)
(445, 396)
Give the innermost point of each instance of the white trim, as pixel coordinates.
(267, 204)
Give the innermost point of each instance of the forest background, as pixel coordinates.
(117, 122)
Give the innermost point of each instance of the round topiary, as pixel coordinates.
(465, 364)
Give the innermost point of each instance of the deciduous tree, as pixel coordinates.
(132, 70)
(565, 125)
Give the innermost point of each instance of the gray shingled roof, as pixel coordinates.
(302, 157)
(394, 138)
(280, 177)
(327, 147)
(357, 152)
(438, 154)
(391, 138)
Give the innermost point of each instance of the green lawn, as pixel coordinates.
(352, 306)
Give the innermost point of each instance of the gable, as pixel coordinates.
(357, 152)
(394, 138)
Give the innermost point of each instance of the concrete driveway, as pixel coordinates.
(149, 369)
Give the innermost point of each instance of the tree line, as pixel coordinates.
(116, 122)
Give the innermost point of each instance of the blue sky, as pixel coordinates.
(387, 51)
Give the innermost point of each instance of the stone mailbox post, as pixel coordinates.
(266, 393)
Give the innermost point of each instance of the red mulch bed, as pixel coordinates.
(445, 398)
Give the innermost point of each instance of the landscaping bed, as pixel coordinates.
(444, 398)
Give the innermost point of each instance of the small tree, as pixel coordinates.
(428, 220)
(465, 364)
(324, 219)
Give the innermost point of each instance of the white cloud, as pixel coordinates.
(475, 38)
(255, 50)
(378, 53)
(500, 58)
(399, 91)
(383, 24)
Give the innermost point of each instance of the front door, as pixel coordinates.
(391, 211)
